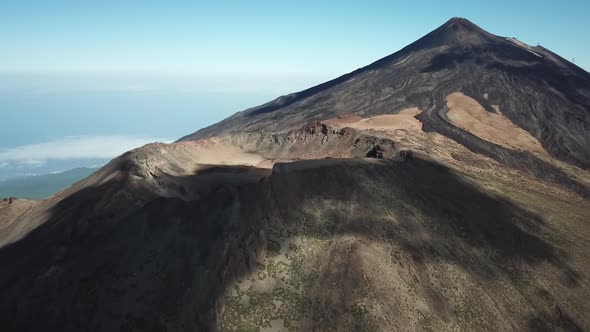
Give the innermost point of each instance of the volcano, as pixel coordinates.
(443, 187)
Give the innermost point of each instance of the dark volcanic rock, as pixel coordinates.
(376, 152)
(406, 154)
(536, 89)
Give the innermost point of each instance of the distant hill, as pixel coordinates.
(42, 186)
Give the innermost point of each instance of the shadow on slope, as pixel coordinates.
(112, 258)
(434, 216)
(455, 211)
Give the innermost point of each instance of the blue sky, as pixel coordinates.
(161, 69)
(259, 37)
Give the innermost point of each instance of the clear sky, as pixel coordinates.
(161, 69)
(259, 37)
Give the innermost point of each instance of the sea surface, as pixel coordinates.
(30, 118)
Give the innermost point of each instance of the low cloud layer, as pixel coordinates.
(85, 147)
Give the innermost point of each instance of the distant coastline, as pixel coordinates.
(42, 186)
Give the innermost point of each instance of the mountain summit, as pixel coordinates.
(458, 32)
(534, 88)
(443, 187)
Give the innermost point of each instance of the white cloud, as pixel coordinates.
(31, 163)
(84, 147)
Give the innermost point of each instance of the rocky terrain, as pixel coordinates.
(443, 187)
(535, 89)
(12, 208)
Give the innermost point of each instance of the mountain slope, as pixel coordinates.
(12, 208)
(537, 90)
(343, 244)
(418, 193)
